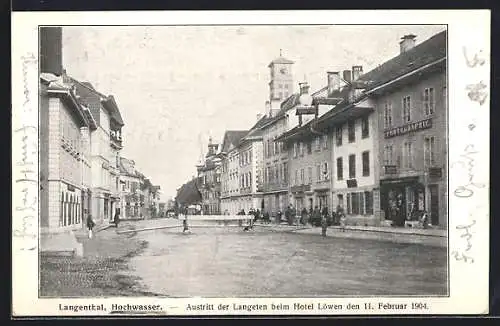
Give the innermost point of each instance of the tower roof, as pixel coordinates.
(280, 59)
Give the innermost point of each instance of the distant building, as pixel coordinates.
(209, 176)
(230, 177)
(131, 194)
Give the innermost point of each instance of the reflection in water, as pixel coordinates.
(229, 262)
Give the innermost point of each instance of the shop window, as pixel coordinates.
(348, 204)
(352, 166)
(351, 131)
(340, 200)
(365, 127)
(368, 202)
(340, 169)
(338, 136)
(355, 203)
(366, 163)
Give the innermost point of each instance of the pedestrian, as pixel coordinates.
(324, 225)
(117, 218)
(90, 225)
(185, 225)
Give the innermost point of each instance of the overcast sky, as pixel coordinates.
(177, 85)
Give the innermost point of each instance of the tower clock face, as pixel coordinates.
(283, 70)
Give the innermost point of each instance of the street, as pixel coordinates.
(229, 262)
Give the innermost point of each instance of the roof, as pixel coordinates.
(422, 54)
(127, 167)
(232, 137)
(280, 60)
(110, 103)
(256, 130)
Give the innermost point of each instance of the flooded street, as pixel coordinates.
(228, 262)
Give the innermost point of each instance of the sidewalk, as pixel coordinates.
(430, 237)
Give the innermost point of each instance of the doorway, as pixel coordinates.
(434, 203)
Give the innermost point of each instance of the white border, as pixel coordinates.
(466, 28)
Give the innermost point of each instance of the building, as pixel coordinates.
(410, 94)
(106, 143)
(209, 174)
(132, 198)
(251, 166)
(65, 173)
(310, 150)
(230, 176)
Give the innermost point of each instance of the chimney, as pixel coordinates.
(347, 75)
(333, 81)
(268, 108)
(407, 43)
(304, 88)
(51, 50)
(356, 72)
(259, 116)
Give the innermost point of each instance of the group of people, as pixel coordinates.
(91, 223)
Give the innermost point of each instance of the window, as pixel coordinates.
(366, 163)
(340, 169)
(355, 204)
(388, 155)
(318, 173)
(338, 136)
(352, 166)
(365, 127)
(348, 203)
(428, 99)
(325, 141)
(301, 149)
(296, 177)
(387, 115)
(285, 172)
(310, 175)
(406, 109)
(301, 176)
(317, 145)
(351, 131)
(429, 151)
(408, 155)
(368, 203)
(295, 151)
(249, 179)
(325, 171)
(250, 157)
(309, 147)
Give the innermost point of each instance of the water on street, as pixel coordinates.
(229, 262)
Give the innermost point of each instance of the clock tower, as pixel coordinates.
(281, 84)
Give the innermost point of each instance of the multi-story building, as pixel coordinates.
(131, 182)
(410, 94)
(230, 176)
(310, 150)
(65, 126)
(209, 174)
(251, 168)
(105, 146)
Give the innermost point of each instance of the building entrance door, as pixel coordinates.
(434, 201)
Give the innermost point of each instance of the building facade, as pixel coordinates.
(230, 176)
(132, 197)
(209, 174)
(412, 114)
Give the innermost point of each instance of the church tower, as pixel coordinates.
(281, 84)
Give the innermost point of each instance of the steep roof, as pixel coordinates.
(232, 137)
(422, 54)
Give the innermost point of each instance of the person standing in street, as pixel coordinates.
(117, 218)
(324, 225)
(90, 225)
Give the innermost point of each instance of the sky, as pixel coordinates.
(176, 86)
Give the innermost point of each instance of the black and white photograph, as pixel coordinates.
(249, 161)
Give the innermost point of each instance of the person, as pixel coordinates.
(303, 216)
(90, 225)
(117, 218)
(316, 220)
(341, 217)
(185, 225)
(425, 220)
(324, 225)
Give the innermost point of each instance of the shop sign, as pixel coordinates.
(301, 188)
(390, 169)
(435, 172)
(415, 126)
(352, 183)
